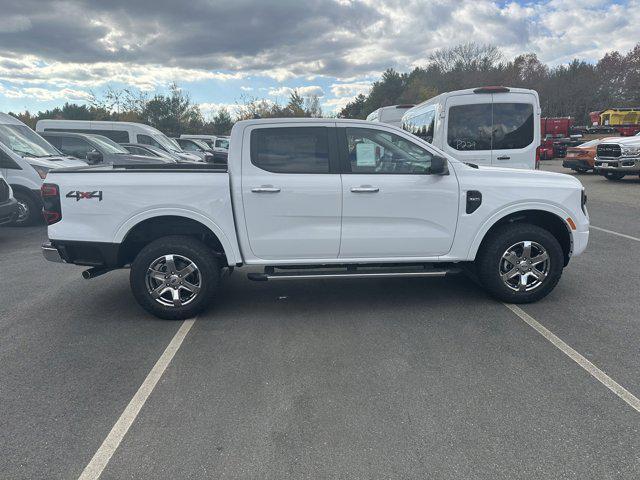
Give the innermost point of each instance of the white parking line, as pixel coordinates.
(101, 458)
(615, 233)
(594, 371)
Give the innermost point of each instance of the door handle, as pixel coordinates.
(365, 189)
(503, 158)
(265, 189)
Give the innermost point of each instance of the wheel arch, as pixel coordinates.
(550, 218)
(134, 235)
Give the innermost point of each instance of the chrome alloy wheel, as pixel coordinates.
(23, 211)
(173, 280)
(524, 266)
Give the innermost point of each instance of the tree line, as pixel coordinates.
(574, 89)
(173, 113)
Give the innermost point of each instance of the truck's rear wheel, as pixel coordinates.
(520, 263)
(175, 277)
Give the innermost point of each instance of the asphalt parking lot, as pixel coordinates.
(381, 378)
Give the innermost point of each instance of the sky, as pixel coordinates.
(223, 51)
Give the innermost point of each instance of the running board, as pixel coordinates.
(351, 272)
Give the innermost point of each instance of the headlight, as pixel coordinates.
(42, 171)
(630, 151)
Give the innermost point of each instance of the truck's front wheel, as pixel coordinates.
(520, 263)
(175, 277)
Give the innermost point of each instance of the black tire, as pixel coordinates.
(489, 262)
(614, 176)
(208, 276)
(29, 211)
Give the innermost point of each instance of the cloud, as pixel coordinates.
(305, 91)
(84, 44)
(44, 94)
(350, 89)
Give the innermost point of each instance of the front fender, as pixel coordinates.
(557, 210)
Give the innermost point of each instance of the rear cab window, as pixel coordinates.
(291, 149)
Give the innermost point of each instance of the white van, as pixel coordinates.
(391, 115)
(25, 159)
(119, 132)
(218, 143)
(490, 126)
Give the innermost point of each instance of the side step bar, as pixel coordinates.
(350, 272)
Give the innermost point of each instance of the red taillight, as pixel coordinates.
(49, 190)
(51, 210)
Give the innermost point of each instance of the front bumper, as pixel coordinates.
(51, 253)
(619, 164)
(576, 163)
(8, 211)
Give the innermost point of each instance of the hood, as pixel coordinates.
(533, 176)
(55, 162)
(189, 156)
(622, 140)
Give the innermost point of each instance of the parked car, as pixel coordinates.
(217, 143)
(197, 147)
(303, 195)
(618, 157)
(583, 157)
(391, 114)
(497, 126)
(8, 204)
(150, 151)
(119, 132)
(25, 160)
(96, 149)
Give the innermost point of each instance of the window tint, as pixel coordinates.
(421, 125)
(7, 162)
(147, 140)
(222, 143)
(188, 146)
(512, 125)
(470, 127)
(117, 136)
(291, 150)
(76, 147)
(55, 141)
(377, 151)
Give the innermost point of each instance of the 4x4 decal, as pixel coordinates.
(82, 195)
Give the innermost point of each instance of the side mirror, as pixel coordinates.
(94, 157)
(439, 166)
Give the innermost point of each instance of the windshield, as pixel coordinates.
(25, 142)
(222, 144)
(200, 143)
(108, 145)
(167, 143)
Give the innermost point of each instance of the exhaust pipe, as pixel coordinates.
(94, 272)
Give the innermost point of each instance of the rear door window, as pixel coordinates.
(291, 150)
(512, 125)
(470, 127)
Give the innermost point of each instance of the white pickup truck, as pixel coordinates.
(315, 198)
